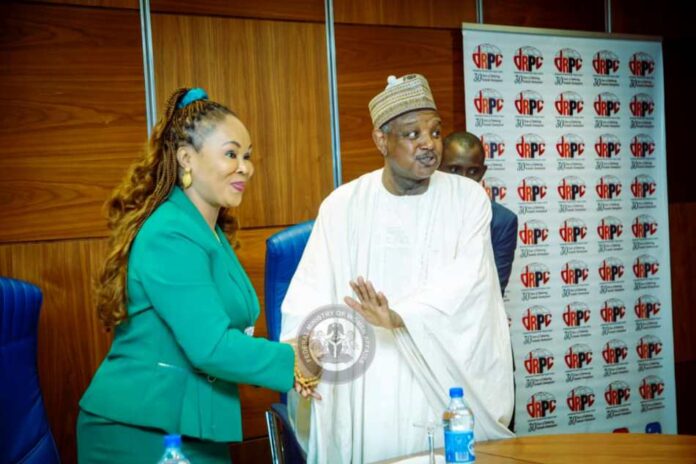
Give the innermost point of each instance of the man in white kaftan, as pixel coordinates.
(428, 250)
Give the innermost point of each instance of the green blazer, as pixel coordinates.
(176, 361)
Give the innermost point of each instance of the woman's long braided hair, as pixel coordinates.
(148, 183)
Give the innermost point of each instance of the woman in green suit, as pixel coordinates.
(180, 303)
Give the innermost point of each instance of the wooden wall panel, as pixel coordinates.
(127, 4)
(366, 55)
(252, 255)
(255, 400)
(296, 10)
(685, 375)
(682, 227)
(72, 342)
(273, 74)
(71, 89)
(641, 17)
(251, 451)
(415, 13)
(582, 15)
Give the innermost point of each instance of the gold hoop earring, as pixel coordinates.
(186, 180)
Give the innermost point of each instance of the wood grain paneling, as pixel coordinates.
(685, 377)
(581, 15)
(71, 89)
(641, 17)
(252, 451)
(72, 342)
(682, 236)
(273, 74)
(297, 10)
(252, 255)
(416, 13)
(127, 4)
(255, 400)
(366, 55)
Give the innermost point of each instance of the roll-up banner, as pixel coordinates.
(573, 128)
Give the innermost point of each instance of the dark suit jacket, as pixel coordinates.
(504, 240)
(175, 363)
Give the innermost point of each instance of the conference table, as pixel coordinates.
(604, 448)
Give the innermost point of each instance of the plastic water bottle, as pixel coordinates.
(458, 422)
(172, 451)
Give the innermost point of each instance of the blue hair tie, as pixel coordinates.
(191, 96)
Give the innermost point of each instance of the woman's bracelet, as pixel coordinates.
(306, 381)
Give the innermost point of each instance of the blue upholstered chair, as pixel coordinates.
(283, 252)
(25, 436)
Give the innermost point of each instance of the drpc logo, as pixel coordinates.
(614, 352)
(568, 61)
(574, 272)
(538, 361)
(572, 230)
(578, 356)
(528, 59)
(643, 186)
(533, 232)
(536, 318)
(531, 189)
(609, 228)
(529, 102)
(571, 188)
(535, 275)
(580, 399)
(611, 270)
(487, 56)
(651, 388)
(570, 146)
(608, 187)
(644, 226)
(645, 266)
(569, 104)
(530, 146)
(607, 146)
(488, 101)
(641, 64)
(642, 105)
(495, 188)
(612, 310)
(646, 307)
(605, 63)
(607, 104)
(576, 314)
(540, 405)
(493, 146)
(617, 393)
(649, 347)
(642, 146)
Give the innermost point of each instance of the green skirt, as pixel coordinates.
(100, 440)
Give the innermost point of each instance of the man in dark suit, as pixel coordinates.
(463, 155)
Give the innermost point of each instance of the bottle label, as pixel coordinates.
(459, 446)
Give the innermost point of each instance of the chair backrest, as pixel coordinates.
(283, 252)
(25, 436)
(285, 449)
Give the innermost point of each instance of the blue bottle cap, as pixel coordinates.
(172, 441)
(456, 392)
